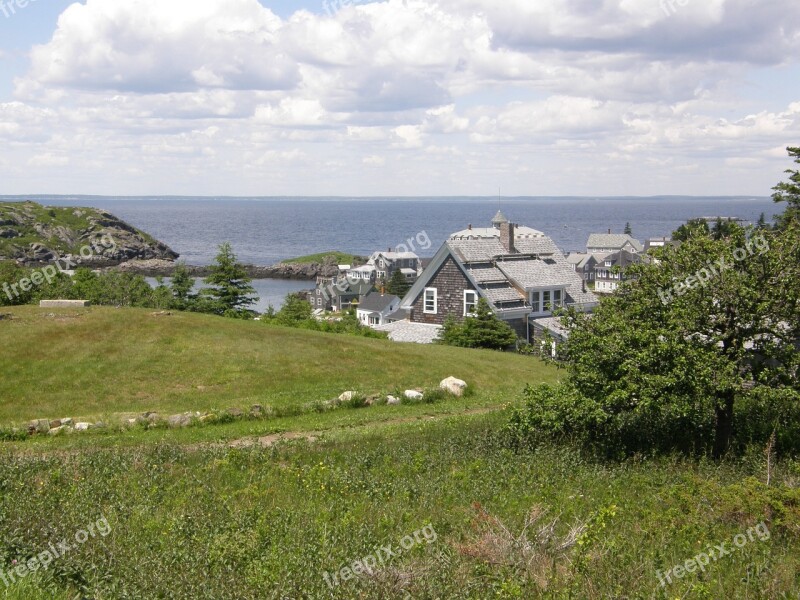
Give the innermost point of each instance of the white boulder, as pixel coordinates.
(392, 401)
(413, 395)
(453, 386)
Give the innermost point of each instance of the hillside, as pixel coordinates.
(36, 234)
(98, 361)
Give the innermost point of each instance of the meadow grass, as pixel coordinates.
(99, 361)
(341, 258)
(215, 522)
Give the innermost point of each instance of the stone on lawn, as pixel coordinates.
(183, 420)
(453, 386)
(413, 395)
(392, 401)
(39, 426)
(82, 426)
(347, 396)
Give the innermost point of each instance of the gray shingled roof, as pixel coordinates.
(506, 294)
(482, 250)
(612, 240)
(377, 302)
(499, 218)
(537, 273)
(415, 333)
(487, 275)
(543, 245)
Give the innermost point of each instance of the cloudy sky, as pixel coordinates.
(398, 97)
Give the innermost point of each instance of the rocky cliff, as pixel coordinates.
(34, 234)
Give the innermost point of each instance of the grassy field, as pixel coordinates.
(98, 361)
(290, 507)
(207, 521)
(339, 258)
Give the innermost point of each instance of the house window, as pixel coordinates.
(546, 299)
(557, 300)
(431, 301)
(470, 301)
(374, 321)
(536, 302)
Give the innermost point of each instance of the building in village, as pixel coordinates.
(610, 270)
(607, 243)
(376, 308)
(518, 270)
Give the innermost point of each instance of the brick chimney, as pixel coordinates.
(507, 237)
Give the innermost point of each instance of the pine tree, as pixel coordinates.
(398, 285)
(628, 230)
(230, 291)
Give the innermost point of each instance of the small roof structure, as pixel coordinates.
(377, 302)
(412, 333)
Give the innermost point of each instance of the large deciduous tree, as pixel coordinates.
(707, 329)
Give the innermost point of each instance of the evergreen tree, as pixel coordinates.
(295, 311)
(182, 286)
(480, 330)
(398, 285)
(628, 230)
(230, 293)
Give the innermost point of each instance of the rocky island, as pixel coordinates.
(35, 235)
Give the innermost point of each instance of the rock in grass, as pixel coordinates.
(39, 426)
(347, 396)
(235, 412)
(413, 395)
(82, 426)
(183, 420)
(392, 401)
(453, 386)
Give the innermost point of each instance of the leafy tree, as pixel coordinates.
(789, 191)
(480, 330)
(398, 285)
(666, 360)
(230, 293)
(295, 311)
(628, 230)
(690, 229)
(10, 275)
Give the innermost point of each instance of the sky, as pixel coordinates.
(398, 97)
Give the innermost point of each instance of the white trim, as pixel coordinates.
(435, 301)
(476, 297)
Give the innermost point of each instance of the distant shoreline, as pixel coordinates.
(163, 268)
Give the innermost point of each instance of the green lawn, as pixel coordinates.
(101, 361)
(213, 522)
(340, 258)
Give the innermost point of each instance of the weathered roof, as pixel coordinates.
(534, 273)
(487, 274)
(504, 294)
(377, 302)
(392, 256)
(499, 217)
(352, 289)
(415, 333)
(612, 240)
(520, 233)
(552, 325)
(477, 250)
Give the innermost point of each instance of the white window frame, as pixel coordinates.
(474, 294)
(435, 300)
(536, 305)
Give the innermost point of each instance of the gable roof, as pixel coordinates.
(352, 289)
(377, 302)
(502, 277)
(612, 240)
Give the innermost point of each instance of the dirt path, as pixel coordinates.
(312, 436)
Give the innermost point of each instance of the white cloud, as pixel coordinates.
(181, 95)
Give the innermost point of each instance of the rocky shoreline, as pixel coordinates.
(165, 268)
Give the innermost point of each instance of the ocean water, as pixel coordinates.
(264, 231)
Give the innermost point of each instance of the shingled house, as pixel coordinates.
(518, 270)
